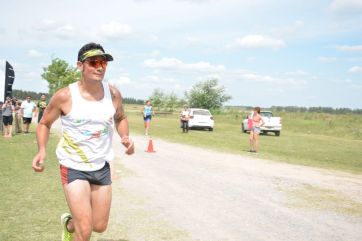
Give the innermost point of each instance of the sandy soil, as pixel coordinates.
(184, 193)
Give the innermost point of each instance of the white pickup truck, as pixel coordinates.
(272, 123)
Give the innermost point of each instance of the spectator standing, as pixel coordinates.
(147, 116)
(255, 130)
(184, 117)
(27, 109)
(42, 104)
(7, 114)
(18, 117)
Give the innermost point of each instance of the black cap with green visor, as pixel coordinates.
(93, 53)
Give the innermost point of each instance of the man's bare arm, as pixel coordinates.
(57, 105)
(121, 121)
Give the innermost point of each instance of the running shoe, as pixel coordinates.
(64, 219)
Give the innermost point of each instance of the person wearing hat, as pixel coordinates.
(41, 105)
(88, 109)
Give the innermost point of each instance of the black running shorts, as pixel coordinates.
(99, 177)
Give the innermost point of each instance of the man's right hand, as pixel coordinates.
(38, 162)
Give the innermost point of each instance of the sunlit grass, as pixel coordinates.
(313, 139)
(31, 203)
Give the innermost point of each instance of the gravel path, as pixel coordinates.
(182, 193)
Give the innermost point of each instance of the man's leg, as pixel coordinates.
(101, 205)
(90, 207)
(26, 126)
(78, 196)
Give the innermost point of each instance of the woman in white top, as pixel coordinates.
(184, 117)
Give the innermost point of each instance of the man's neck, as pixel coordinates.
(91, 90)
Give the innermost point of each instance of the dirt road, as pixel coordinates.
(185, 193)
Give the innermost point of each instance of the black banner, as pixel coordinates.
(9, 80)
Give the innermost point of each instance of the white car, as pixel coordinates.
(272, 123)
(201, 118)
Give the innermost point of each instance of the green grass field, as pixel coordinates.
(31, 203)
(312, 139)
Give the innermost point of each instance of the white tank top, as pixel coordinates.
(86, 143)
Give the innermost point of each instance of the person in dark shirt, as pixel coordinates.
(42, 104)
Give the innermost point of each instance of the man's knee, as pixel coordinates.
(84, 231)
(100, 227)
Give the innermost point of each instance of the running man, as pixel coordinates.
(88, 109)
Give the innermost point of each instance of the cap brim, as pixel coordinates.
(108, 57)
(97, 52)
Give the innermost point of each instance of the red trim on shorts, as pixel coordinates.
(64, 174)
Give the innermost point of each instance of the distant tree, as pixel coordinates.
(158, 98)
(165, 101)
(207, 95)
(171, 102)
(59, 74)
(22, 94)
(128, 100)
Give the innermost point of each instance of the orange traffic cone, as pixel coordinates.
(150, 146)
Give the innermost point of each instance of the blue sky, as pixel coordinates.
(264, 52)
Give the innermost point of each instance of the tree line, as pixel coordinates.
(319, 109)
(22, 94)
(207, 94)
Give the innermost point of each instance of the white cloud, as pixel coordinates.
(193, 41)
(34, 53)
(355, 69)
(294, 79)
(325, 59)
(350, 48)
(50, 28)
(154, 53)
(346, 6)
(45, 25)
(114, 30)
(122, 80)
(158, 80)
(66, 31)
(257, 41)
(174, 64)
(153, 38)
(297, 73)
(276, 91)
(257, 78)
(208, 77)
(288, 30)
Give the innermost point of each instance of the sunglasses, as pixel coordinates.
(97, 63)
